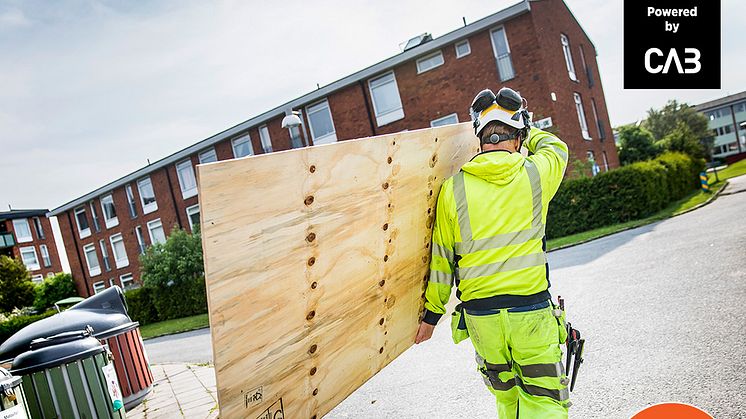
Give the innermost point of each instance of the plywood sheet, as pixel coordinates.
(316, 261)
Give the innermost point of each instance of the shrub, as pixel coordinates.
(16, 288)
(9, 327)
(175, 301)
(636, 144)
(54, 289)
(140, 305)
(631, 192)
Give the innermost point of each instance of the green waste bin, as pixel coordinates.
(69, 375)
(12, 400)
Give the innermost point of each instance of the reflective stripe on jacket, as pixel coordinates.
(489, 225)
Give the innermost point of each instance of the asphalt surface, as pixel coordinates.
(662, 307)
(193, 347)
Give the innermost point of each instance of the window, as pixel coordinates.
(131, 201)
(23, 231)
(187, 181)
(120, 253)
(321, 124)
(594, 166)
(581, 116)
(155, 228)
(242, 146)
(739, 107)
(599, 125)
(587, 70)
(112, 282)
(463, 48)
(446, 120)
(96, 225)
(37, 279)
(104, 255)
(98, 287)
(28, 256)
(140, 239)
(568, 57)
(193, 215)
(92, 259)
(502, 54)
(127, 281)
(110, 213)
(39, 228)
(208, 156)
(265, 139)
(45, 256)
(83, 229)
(606, 163)
(147, 196)
(429, 62)
(386, 101)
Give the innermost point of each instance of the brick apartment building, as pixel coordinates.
(536, 47)
(27, 235)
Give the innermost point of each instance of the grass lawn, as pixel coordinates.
(694, 199)
(169, 327)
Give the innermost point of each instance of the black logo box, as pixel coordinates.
(693, 39)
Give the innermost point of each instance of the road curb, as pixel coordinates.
(710, 199)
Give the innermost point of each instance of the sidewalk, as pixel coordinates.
(180, 391)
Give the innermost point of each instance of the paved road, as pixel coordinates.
(193, 347)
(662, 307)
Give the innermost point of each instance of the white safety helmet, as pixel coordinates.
(507, 107)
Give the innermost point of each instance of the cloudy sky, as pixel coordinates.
(91, 89)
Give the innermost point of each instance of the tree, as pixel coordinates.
(636, 144)
(683, 140)
(665, 121)
(16, 288)
(177, 261)
(54, 289)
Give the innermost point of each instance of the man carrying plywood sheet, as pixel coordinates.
(489, 241)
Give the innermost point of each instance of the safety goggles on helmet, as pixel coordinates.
(507, 107)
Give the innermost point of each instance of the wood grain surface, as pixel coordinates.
(316, 261)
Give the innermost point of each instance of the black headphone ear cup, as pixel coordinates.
(494, 138)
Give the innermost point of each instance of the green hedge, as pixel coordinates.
(9, 327)
(149, 305)
(631, 192)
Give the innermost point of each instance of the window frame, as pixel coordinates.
(327, 138)
(113, 221)
(567, 51)
(86, 232)
(140, 240)
(152, 206)
(39, 228)
(26, 249)
(22, 239)
(150, 231)
(131, 201)
(508, 54)
(209, 152)
(582, 120)
(187, 191)
(46, 259)
(468, 48)
(104, 255)
(37, 279)
(435, 122)
(95, 270)
(247, 137)
(189, 213)
(265, 139)
(94, 217)
(393, 114)
(131, 279)
(120, 261)
(428, 57)
(95, 287)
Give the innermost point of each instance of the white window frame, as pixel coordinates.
(468, 48)
(150, 230)
(45, 259)
(428, 58)
(129, 278)
(581, 116)
(183, 168)
(86, 232)
(508, 54)
(38, 228)
(98, 287)
(393, 114)
(35, 266)
(37, 279)
(265, 139)
(104, 255)
(92, 270)
(189, 212)
(438, 122)
(241, 140)
(113, 221)
(565, 41)
(153, 206)
(131, 201)
(208, 156)
(21, 222)
(94, 217)
(140, 240)
(319, 107)
(120, 261)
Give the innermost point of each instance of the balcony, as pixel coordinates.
(7, 240)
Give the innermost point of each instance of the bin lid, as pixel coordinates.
(106, 312)
(8, 381)
(56, 350)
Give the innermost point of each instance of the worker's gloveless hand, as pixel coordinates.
(424, 333)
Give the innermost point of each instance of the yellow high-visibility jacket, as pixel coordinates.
(488, 237)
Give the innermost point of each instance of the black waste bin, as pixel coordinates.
(12, 399)
(69, 375)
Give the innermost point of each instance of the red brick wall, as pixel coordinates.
(36, 242)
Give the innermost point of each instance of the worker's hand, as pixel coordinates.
(424, 333)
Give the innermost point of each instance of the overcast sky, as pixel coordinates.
(91, 89)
